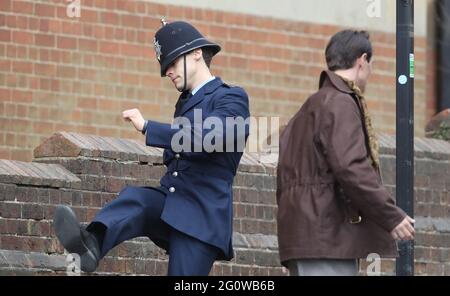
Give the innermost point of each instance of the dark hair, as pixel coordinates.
(207, 54)
(345, 47)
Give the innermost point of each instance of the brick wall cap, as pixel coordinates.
(36, 174)
(65, 144)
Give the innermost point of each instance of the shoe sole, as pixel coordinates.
(67, 230)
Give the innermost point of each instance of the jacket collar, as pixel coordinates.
(328, 77)
(208, 88)
(212, 85)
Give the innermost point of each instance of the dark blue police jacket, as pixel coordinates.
(199, 182)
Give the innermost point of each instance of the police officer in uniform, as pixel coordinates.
(190, 215)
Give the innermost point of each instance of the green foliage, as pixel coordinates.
(443, 132)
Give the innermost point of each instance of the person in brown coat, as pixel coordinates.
(332, 206)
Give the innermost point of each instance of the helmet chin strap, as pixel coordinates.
(185, 74)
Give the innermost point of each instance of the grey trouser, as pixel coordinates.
(323, 267)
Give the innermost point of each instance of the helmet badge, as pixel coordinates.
(157, 49)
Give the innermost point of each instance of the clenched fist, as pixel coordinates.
(404, 230)
(135, 116)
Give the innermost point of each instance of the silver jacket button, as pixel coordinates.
(177, 155)
(175, 174)
(172, 189)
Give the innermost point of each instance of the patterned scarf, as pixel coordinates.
(373, 140)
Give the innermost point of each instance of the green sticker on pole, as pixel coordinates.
(411, 65)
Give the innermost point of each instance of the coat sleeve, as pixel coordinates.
(232, 105)
(343, 142)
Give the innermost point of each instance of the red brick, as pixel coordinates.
(119, 33)
(260, 22)
(144, 38)
(278, 67)
(10, 210)
(44, 84)
(45, 128)
(87, 74)
(44, 40)
(218, 31)
(109, 47)
(2, 20)
(22, 37)
(125, 5)
(11, 51)
(22, 67)
(11, 21)
(5, 35)
(22, 111)
(108, 105)
(240, 33)
(88, 103)
(44, 69)
(130, 35)
(32, 211)
(31, 23)
(110, 18)
(5, 154)
(22, 96)
(90, 16)
(44, 10)
(131, 21)
(71, 28)
(66, 71)
(22, 52)
(54, 26)
(151, 81)
(25, 7)
(109, 33)
(22, 22)
(133, 50)
(67, 42)
(5, 65)
(258, 65)
(130, 79)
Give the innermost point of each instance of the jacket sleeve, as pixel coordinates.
(343, 142)
(232, 105)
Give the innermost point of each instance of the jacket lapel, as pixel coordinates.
(201, 94)
(178, 105)
(194, 100)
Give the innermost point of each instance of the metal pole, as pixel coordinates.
(443, 48)
(405, 126)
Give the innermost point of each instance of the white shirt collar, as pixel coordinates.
(201, 85)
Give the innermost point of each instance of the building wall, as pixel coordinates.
(86, 172)
(369, 14)
(78, 74)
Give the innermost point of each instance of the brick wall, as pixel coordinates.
(58, 73)
(86, 171)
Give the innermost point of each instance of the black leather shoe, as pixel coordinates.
(76, 239)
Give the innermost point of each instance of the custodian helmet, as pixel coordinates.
(178, 38)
